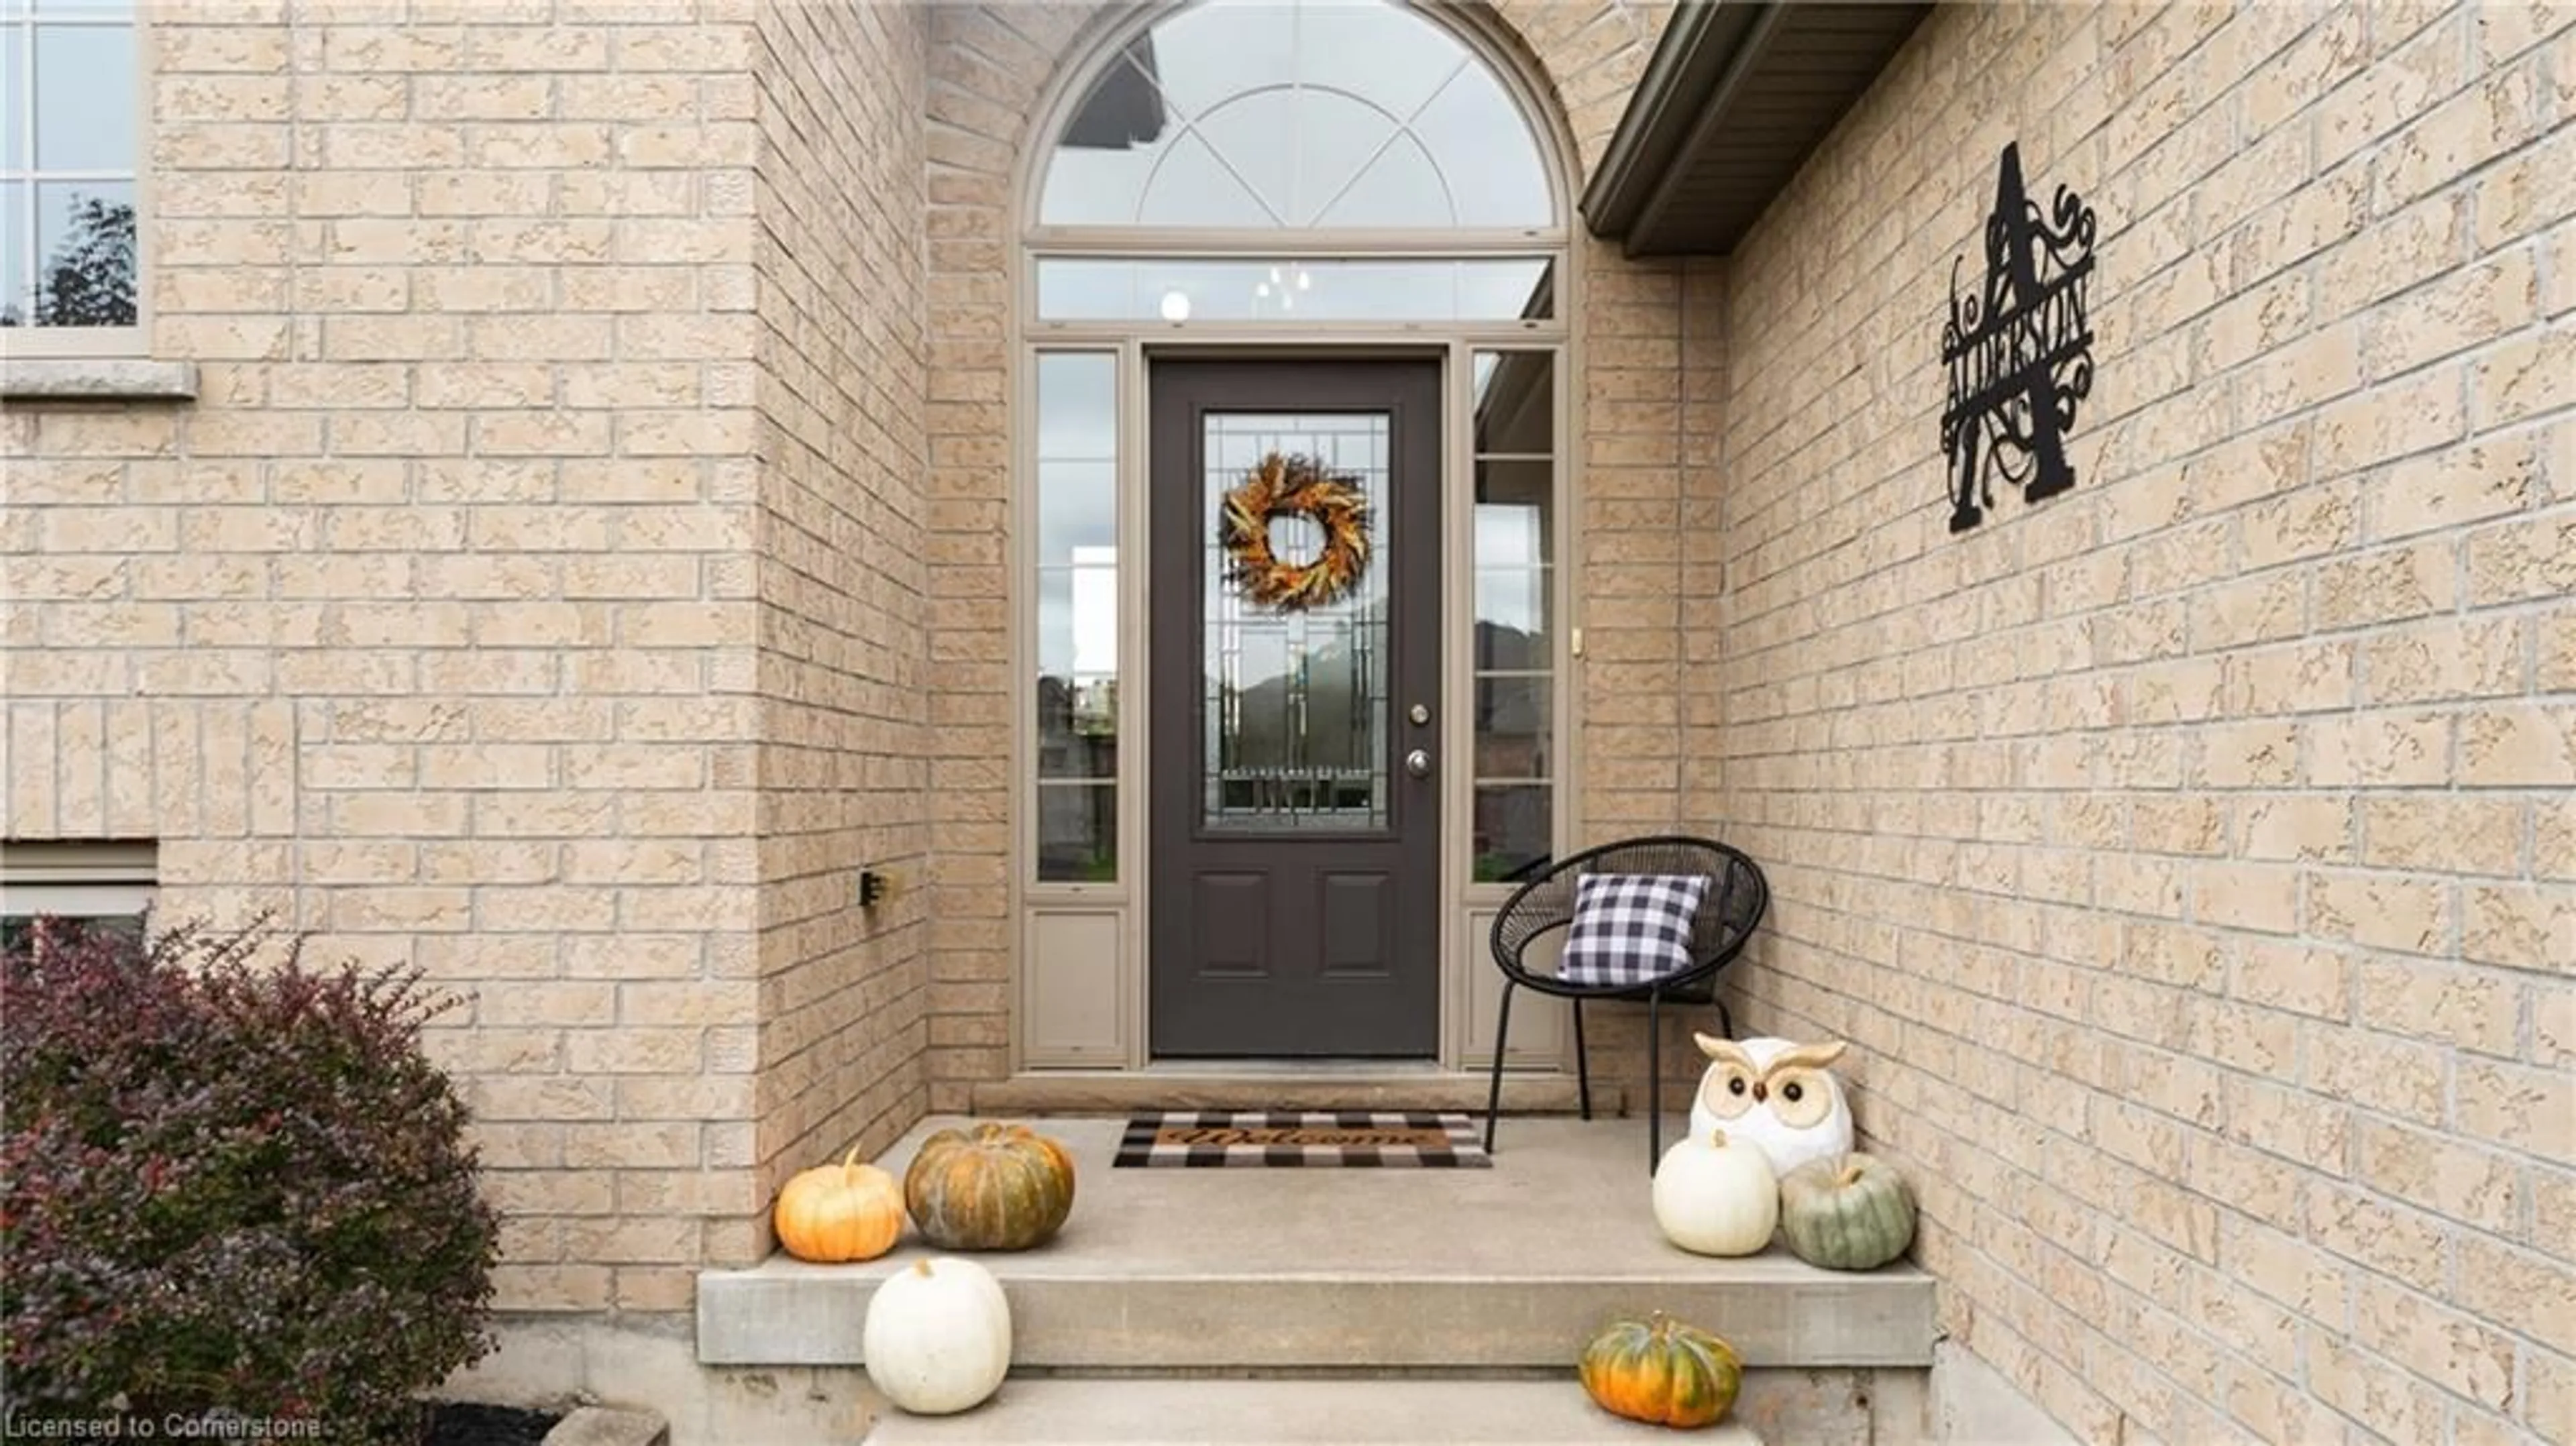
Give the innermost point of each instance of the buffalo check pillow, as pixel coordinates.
(1630, 928)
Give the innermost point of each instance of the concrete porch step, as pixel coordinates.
(1274, 1413)
(1307, 1270)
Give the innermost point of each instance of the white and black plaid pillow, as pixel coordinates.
(1630, 928)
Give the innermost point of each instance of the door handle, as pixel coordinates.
(1418, 763)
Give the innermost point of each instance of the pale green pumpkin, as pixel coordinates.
(1846, 1212)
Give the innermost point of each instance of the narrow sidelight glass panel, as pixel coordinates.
(1513, 828)
(1514, 647)
(1515, 403)
(1077, 698)
(1077, 406)
(1078, 833)
(1515, 730)
(1514, 614)
(1077, 510)
(1076, 593)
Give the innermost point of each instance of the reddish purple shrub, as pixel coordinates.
(230, 1186)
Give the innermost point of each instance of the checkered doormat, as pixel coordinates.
(1205, 1138)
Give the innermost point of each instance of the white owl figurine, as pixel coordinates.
(1778, 1094)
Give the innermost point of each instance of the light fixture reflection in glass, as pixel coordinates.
(1176, 306)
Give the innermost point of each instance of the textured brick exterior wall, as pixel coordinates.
(989, 68)
(2190, 858)
(530, 595)
(843, 588)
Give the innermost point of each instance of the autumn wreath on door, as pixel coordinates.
(1294, 486)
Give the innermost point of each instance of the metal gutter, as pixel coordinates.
(1704, 41)
(1714, 113)
(1736, 96)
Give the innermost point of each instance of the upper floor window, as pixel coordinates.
(68, 162)
(1306, 115)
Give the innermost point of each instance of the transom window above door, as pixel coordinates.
(1332, 115)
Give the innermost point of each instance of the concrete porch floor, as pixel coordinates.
(1388, 1270)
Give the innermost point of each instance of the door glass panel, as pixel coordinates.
(1295, 729)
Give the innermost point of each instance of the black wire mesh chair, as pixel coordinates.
(1737, 895)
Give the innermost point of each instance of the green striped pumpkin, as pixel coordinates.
(1662, 1371)
(1846, 1212)
(996, 1187)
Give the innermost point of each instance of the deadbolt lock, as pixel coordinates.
(1420, 713)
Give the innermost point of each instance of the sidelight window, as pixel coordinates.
(1515, 611)
(1077, 617)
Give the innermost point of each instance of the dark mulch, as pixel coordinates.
(462, 1423)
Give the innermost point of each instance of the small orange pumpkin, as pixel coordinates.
(1663, 1372)
(1000, 1187)
(838, 1213)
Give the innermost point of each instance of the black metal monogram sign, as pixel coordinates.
(2019, 350)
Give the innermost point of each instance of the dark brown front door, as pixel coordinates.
(1295, 854)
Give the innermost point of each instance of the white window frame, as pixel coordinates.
(49, 342)
(77, 880)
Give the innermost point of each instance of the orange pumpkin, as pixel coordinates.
(996, 1187)
(1662, 1371)
(836, 1213)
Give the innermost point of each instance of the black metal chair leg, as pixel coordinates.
(1654, 1079)
(1725, 1021)
(1582, 1062)
(1502, 1034)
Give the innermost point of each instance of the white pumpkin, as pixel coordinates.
(938, 1336)
(1717, 1196)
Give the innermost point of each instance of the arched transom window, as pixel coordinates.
(1305, 115)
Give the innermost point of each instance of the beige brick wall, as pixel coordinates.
(843, 587)
(989, 68)
(448, 620)
(2190, 857)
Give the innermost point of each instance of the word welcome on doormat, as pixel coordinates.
(1294, 1138)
